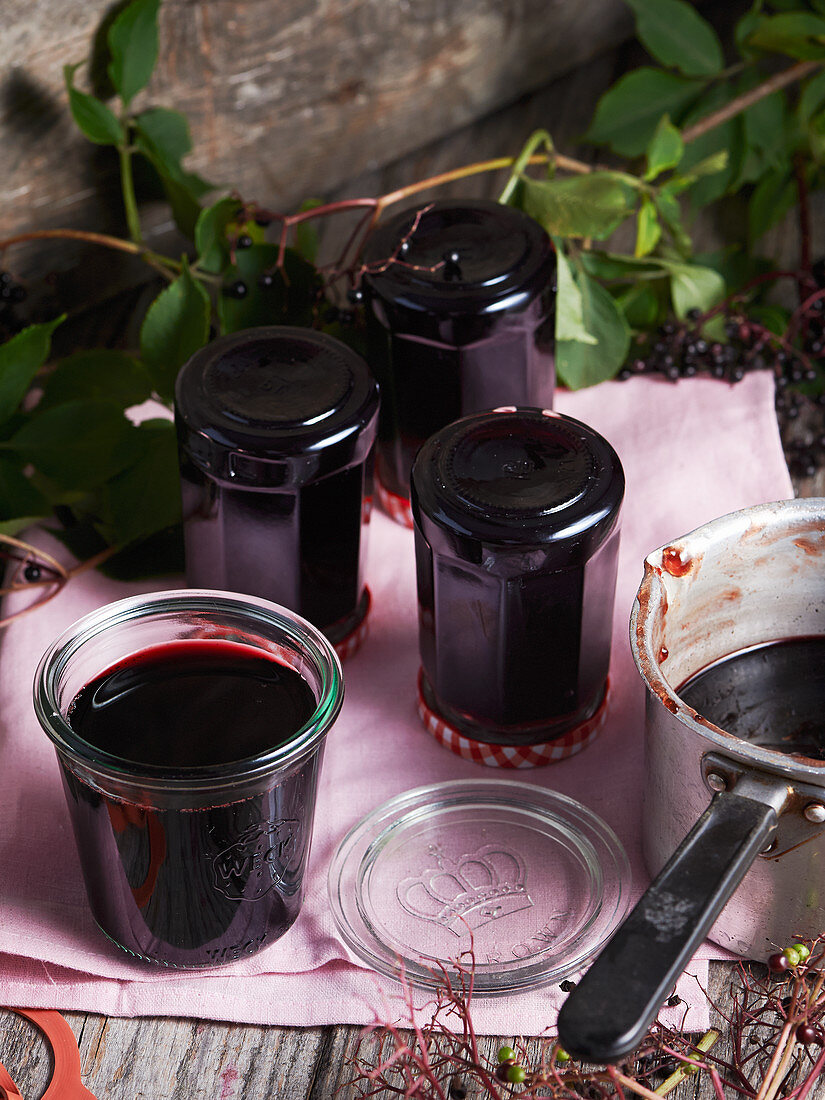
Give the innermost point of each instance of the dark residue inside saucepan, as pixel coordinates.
(771, 695)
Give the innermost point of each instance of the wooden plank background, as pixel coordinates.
(286, 100)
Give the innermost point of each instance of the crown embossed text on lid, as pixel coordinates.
(467, 892)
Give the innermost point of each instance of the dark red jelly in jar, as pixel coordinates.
(460, 318)
(516, 518)
(192, 886)
(276, 428)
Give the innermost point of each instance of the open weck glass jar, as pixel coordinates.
(190, 728)
(276, 428)
(516, 517)
(460, 301)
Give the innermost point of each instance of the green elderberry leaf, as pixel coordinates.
(79, 445)
(736, 264)
(133, 45)
(92, 117)
(694, 287)
(210, 234)
(18, 497)
(744, 29)
(811, 98)
(772, 198)
(580, 206)
(145, 497)
(613, 266)
(669, 210)
(641, 305)
(288, 299)
(20, 360)
(665, 149)
(98, 373)
(175, 326)
(710, 166)
(582, 364)
(676, 34)
(569, 315)
(628, 113)
(774, 318)
(163, 137)
(797, 34)
(767, 129)
(728, 138)
(648, 228)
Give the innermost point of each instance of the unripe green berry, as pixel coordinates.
(793, 956)
(562, 1055)
(506, 1054)
(803, 951)
(516, 1074)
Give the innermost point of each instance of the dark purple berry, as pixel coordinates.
(245, 241)
(238, 289)
(266, 280)
(810, 1034)
(32, 573)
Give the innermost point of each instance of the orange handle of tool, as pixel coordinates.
(65, 1083)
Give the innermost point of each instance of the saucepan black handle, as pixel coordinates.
(609, 1012)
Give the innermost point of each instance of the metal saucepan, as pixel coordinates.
(750, 578)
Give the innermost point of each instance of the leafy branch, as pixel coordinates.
(681, 135)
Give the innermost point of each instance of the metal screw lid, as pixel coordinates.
(471, 256)
(522, 477)
(273, 393)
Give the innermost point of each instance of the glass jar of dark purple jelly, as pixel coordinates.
(276, 428)
(460, 318)
(516, 518)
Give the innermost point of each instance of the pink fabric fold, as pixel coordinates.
(691, 452)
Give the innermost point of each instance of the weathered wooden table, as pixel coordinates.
(170, 1059)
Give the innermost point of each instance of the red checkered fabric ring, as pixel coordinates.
(510, 756)
(396, 507)
(354, 640)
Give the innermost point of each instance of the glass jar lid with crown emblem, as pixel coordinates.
(522, 883)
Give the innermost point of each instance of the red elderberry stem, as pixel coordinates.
(812, 1077)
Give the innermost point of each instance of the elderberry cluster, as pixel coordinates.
(11, 295)
(680, 350)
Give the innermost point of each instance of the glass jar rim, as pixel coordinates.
(151, 777)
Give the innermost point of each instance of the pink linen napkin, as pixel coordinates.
(691, 451)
